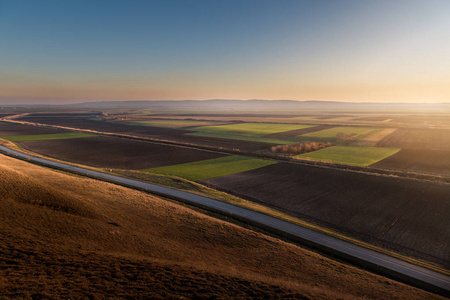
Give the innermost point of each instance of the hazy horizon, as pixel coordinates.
(56, 52)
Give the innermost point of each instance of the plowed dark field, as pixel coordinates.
(177, 135)
(422, 161)
(417, 138)
(404, 215)
(109, 152)
(11, 129)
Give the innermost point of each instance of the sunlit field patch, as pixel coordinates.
(330, 135)
(247, 131)
(357, 156)
(211, 168)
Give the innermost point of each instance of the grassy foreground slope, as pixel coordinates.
(63, 236)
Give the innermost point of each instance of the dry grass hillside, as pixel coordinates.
(63, 236)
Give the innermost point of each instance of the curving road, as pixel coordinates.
(380, 263)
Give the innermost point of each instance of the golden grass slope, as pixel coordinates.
(64, 236)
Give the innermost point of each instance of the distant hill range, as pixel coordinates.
(276, 105)
(251, 105)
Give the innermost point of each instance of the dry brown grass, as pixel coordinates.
(64, 236)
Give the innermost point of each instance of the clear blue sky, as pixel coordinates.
(74, 51)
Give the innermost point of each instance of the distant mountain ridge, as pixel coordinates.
(257, 104)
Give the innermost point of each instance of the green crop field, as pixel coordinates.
(247, 131)
(357, 156)
(329, 135)
(170, 123)
(210, 168)
(52, 136)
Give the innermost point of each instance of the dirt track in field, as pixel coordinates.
(415, 138)
(409, 216)
(117, 153)
(421, 161)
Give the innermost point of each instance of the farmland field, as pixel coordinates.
(329, 135)
(422, 161)
(387, 211)
(405, 215)
(85, 121)
(109, 152)
(170, 123)
(357, 156)
(50, 136)
(296, 132)
(206, 169)
(247, 131)
(418, 138)
(11, 129)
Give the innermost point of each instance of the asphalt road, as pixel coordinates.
(380, 263)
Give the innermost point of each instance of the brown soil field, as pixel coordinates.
(422, 161)
(405, 215)
(11, 129)
(417, 138)
(64, 236)
(117, 153)
(293, 133)
(83, 121)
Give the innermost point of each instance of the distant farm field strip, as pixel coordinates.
(357, 156)
(211, 168)
(247, 131)
(171, 123)
(52, 136)
(329, 135)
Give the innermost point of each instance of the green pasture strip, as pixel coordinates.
(329, 135)
(205, 169)
(357, 156)
(52, 136)
(250, 129)
(242, 138)
(169, 123)
(247, 131)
